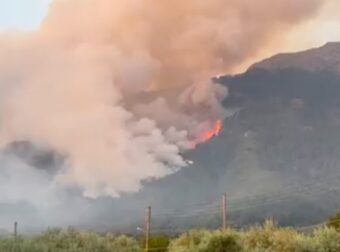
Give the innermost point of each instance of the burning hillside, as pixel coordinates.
(73, 85)
(209, 133)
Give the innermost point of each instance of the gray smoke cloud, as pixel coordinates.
(122, 88)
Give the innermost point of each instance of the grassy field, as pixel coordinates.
(264, 238)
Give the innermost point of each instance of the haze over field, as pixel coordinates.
(116, 92)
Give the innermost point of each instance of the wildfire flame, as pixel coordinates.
(209, 133)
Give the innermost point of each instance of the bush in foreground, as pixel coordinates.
(157, 243)
(69, 241)
(261, 238)
(334, 221)
(271, 238)
(326, 240)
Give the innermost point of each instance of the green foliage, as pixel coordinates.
(56, 240)
(271, 238)
(334, 222)
(227, 241)
(262, 238)
(205, 241)
(189, 241)
(157, 243)
(326, 240)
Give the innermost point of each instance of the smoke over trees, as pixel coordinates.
(122, 88)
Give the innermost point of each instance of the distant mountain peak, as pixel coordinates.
(332, 43)
(325, 58)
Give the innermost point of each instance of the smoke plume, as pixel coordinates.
(122, 88)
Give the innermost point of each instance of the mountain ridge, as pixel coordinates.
(277, 157)
(324, 58)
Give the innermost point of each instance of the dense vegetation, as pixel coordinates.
(334, 222)
(264, 238)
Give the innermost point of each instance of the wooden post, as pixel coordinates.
(15, 229)
(224, 211)
(188, 238)
(147, 228)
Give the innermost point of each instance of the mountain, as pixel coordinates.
(321, 59)
(277, 156)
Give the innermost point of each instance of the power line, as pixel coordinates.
(212, 208)
(280, 192)
(256, 201)
(252, 201)
(279, 199)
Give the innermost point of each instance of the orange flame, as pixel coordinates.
(209, 133)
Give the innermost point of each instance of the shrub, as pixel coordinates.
(227, 241)
(121, 244)
(56, 240)
(334, 222)
(262, 238)
(157, 243)
(188, 242)
(327, 240)
(271, 238)
(206, 241)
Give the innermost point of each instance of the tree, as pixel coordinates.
(157, 243)
(334, 222)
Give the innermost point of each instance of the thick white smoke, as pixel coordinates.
(121, 88)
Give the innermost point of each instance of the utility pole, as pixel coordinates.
(147, 227)
(15, 229)
(224, 211)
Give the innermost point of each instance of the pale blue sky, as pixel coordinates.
(22, 14)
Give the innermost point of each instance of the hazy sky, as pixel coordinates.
(22, 14)
(78, 83)
(26, 15)
(323, 28)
